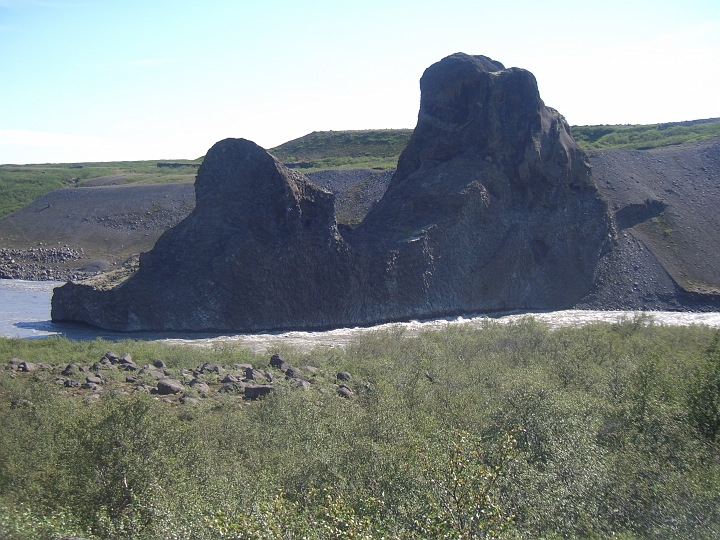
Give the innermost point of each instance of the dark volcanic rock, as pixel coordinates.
(492, 207)
(260, 250)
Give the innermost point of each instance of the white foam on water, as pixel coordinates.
(25, 313)
(306, 341)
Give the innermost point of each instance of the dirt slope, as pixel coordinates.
(665, 203)
(101, 227)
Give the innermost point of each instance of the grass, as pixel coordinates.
(323, 150)
(22, 184)
(509, 431)
(644, 137)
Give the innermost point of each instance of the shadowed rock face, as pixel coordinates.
(491, 208)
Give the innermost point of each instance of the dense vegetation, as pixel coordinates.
(507, 431)
(322, 150)
(22, 184)
(592, 138)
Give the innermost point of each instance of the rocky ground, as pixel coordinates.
(206, 384)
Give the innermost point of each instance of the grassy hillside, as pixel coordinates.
(642, 137)
(322, 150)
(509, 431)
(22, 184)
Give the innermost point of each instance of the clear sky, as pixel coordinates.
(100, 80)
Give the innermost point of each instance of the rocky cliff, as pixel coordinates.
(492, 207)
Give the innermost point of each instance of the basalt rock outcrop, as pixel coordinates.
(492, 208)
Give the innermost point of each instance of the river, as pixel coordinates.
(25, 314)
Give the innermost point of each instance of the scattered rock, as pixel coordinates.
(257, 391)
(260, 375)
(202, 388)
(345, 392)
(14, 364)
(94, 379)
(295, 373)
(210, 367)
(169, 386)
(343, 376)
(27, 367)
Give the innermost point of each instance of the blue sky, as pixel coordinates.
(96, 80)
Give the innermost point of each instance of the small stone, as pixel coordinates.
(27, 367)
(159, 364)
(345, 392)
(343, 376)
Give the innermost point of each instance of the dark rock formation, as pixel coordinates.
(492, 207)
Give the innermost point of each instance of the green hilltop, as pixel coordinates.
(318, 151)
(365, 149)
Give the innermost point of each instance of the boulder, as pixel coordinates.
(255, 391)
(169, 386)
(202, 388)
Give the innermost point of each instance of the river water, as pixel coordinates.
(25, 314)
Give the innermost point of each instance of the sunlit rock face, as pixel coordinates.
(492, 207)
